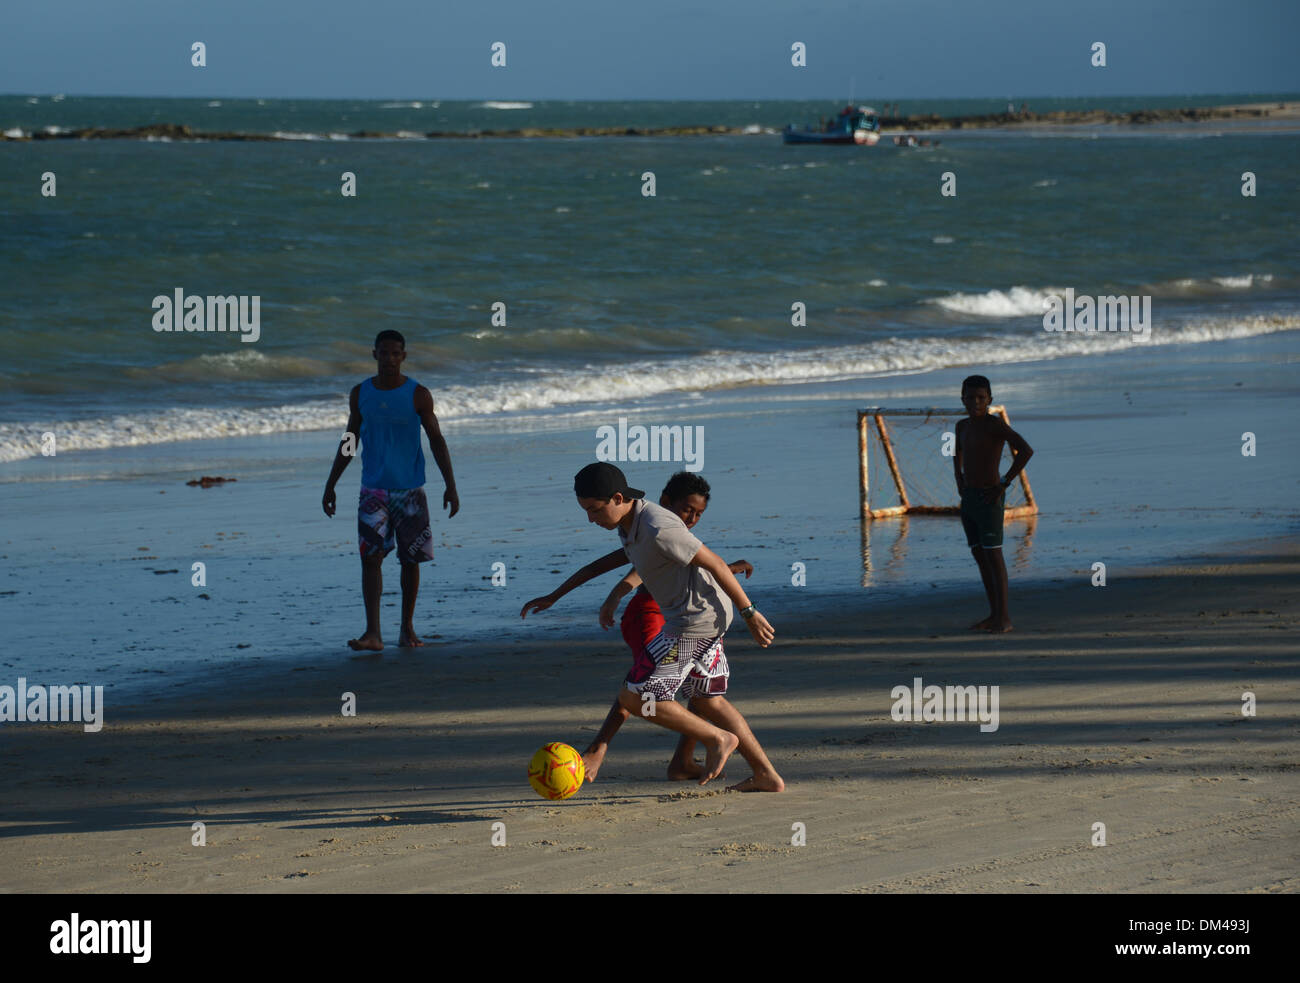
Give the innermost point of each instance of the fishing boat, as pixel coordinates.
(860, 125)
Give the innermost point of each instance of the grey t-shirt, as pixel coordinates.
(661, 548)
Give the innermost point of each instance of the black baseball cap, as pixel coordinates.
(602, 480)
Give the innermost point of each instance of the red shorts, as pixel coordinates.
(642, 621)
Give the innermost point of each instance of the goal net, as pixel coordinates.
(905, 464)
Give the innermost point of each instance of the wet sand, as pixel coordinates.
(1119, 705)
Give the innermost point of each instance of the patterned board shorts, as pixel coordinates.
(395, 515)
(696, 666)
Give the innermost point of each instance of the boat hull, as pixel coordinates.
(867, 138)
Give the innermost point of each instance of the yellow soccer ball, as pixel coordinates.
(556, 771)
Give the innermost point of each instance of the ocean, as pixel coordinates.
(675, 309)
(608, 295)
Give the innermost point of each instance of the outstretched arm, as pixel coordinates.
(341, 460)
(424, 407)
(758, 626)
(630, 582)
(608, 562)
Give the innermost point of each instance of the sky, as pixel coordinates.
(657, 49)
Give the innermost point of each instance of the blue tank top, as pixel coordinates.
(391, 452)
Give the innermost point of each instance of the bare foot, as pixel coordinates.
(366, 643)
(984, 625)
(718, 753)
(767, 782)
(1000, 625)
(680, 773)
(592, 759)
(408, 639)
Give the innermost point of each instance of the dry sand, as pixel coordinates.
(1118, 705)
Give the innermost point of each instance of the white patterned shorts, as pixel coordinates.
(696, 666)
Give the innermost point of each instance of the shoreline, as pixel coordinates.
(1061, 118)
(1122, 706)
(281, 578)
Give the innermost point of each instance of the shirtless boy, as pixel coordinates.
(696, 591)
(386, 413)
(980, 438)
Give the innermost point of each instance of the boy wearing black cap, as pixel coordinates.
(696, 592)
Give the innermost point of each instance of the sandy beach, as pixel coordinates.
(1119, 705)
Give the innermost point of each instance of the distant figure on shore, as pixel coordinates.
(696, 592)
(385, 415)
(1024, 109)
(980, 439)
(1011, 108)
(686, 496)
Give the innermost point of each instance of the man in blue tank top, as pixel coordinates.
(386, 413)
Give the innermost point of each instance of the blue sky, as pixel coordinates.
(659, 49)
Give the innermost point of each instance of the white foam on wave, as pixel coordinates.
(1242, 281)
(494, 104)
(600, 385)
(1016, 302)
(1030, 301)
(244, 364)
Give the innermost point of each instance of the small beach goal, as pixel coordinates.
(905, 464)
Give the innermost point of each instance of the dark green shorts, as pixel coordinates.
(982, 522)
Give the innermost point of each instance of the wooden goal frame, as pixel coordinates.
(876, 415)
